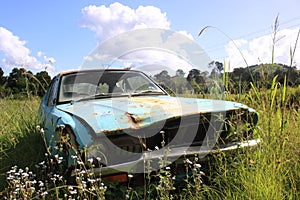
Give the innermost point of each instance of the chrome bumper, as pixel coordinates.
(173, 155)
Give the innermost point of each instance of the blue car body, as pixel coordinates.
(107, 127)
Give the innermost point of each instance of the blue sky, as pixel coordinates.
(59, 34)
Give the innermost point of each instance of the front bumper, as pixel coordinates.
(152, 161)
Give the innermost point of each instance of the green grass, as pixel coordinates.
(271, 171)
(20, 142)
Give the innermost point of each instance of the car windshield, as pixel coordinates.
(87, 85)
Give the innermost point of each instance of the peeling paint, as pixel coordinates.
(134, 121)
(108, 115)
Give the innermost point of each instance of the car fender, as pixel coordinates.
(82, 131)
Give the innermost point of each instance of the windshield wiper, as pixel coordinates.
(146, 92)
(94, 96)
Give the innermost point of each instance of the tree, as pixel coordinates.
(193, 74)
(163, 77)
(197, 81)
(42, 82)
(216, 66)
(2, 83)
(16, 81)
(2, 77)
(292, 76)
(20, 82)
(180, 73)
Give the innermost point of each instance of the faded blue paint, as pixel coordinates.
(105, 115)
(91, 118)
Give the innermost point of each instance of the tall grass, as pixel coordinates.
(20, 142)
(269, 171)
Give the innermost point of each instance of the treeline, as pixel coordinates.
(22, 83)
(237, 81)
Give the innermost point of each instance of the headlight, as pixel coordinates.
(115, 150)
(238, 126)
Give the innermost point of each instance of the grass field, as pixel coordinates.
(271, 171)
(20, 142)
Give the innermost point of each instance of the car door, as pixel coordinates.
(48, 106)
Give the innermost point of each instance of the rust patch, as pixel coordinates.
(95, 114)
(134, 120)
(133, 106)
(111, 131)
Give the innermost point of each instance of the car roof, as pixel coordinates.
(94, 70)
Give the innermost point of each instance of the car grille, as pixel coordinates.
(193, 130)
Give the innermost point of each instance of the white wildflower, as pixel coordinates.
(41, 184)
(90, 160)
(188, 161)
(80, 162)
(73, 192)
(130, 176)
(197, 165)
(98, 158)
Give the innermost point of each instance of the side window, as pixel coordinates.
(52, 92)
(102, 88)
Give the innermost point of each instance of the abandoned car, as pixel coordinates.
(125, 123)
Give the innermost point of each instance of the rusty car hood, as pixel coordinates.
(119, 113)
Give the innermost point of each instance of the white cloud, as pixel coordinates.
(40, 54)
(117, 18)
(185, 33)
(128, 46)
(148, 48)
(16, 54)
(49, 59)
(154, 61)
(259, 50)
